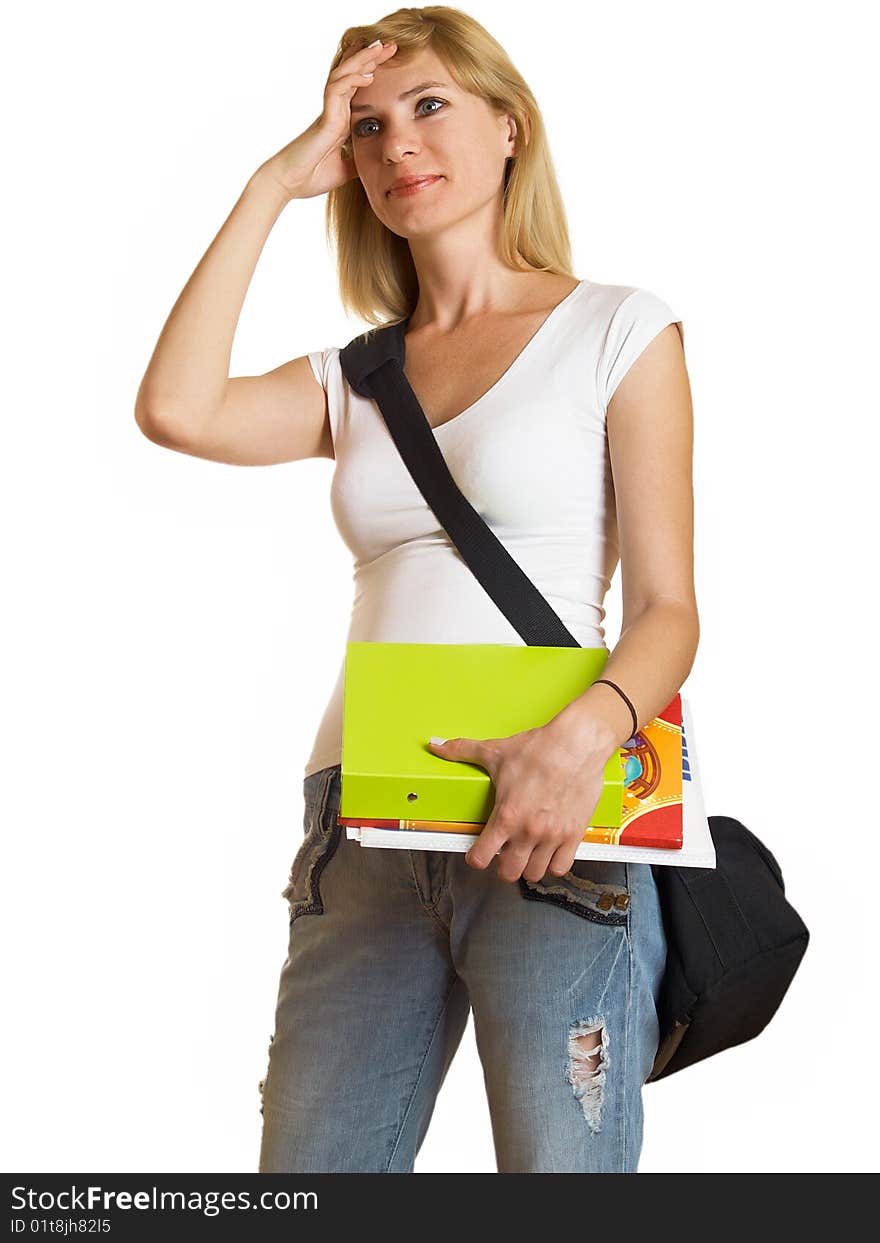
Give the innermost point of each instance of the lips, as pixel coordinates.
(413, 186)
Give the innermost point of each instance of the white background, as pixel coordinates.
(173, 626)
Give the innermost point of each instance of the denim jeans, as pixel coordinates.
(389, 950)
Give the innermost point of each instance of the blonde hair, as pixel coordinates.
(376, 274)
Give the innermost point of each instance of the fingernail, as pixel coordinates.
(376, 43)
(438, 740)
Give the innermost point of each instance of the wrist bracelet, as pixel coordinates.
(635, 728)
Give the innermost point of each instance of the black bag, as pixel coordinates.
(733, 940)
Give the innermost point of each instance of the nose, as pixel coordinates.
(398, 141)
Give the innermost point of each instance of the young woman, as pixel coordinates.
(562, 407)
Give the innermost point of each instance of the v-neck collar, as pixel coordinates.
(400, 350)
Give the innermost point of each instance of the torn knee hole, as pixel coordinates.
(585, 1044)
(588, 1063)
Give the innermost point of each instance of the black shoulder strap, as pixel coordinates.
(366, 353)
(373, 365)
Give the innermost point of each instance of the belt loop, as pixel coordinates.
(332, 784)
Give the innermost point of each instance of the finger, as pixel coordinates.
(364, 57)
(563, 859)
(472, 750)
(513, 859)
(537, 865)
(487, 845)
(454, 748)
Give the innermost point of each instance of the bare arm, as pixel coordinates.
(186, 400)
(186, 381)
(650, 440)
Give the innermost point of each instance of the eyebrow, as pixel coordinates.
(414, 90)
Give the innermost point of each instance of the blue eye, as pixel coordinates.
(431, 100)
(428, 99)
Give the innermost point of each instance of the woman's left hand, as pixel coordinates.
(547, 784)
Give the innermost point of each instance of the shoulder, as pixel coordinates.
(627, 318)
(625, 306)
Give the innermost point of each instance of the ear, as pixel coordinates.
(512, 131)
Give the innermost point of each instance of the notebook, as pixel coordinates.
(397, 695)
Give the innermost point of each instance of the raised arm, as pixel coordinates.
(187, 400)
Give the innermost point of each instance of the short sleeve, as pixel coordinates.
(633, 326)
(318, 360)
(325, 368)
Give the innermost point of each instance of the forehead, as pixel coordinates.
(425, 59)
(402, 74)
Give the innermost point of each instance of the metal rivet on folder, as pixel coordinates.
(411, 798)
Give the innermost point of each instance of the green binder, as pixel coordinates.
(397, 695)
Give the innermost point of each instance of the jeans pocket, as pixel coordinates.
(594, 889)
(320, 840)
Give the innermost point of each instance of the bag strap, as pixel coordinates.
(373, 365)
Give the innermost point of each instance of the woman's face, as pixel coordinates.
(398, 131)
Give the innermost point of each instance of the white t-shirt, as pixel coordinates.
(531, 456)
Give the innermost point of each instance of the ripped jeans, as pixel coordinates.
(389, 950)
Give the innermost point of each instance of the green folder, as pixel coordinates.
(397, 695)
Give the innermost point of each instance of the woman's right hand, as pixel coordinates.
(313, 163)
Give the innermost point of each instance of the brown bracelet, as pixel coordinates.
(635, 728)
